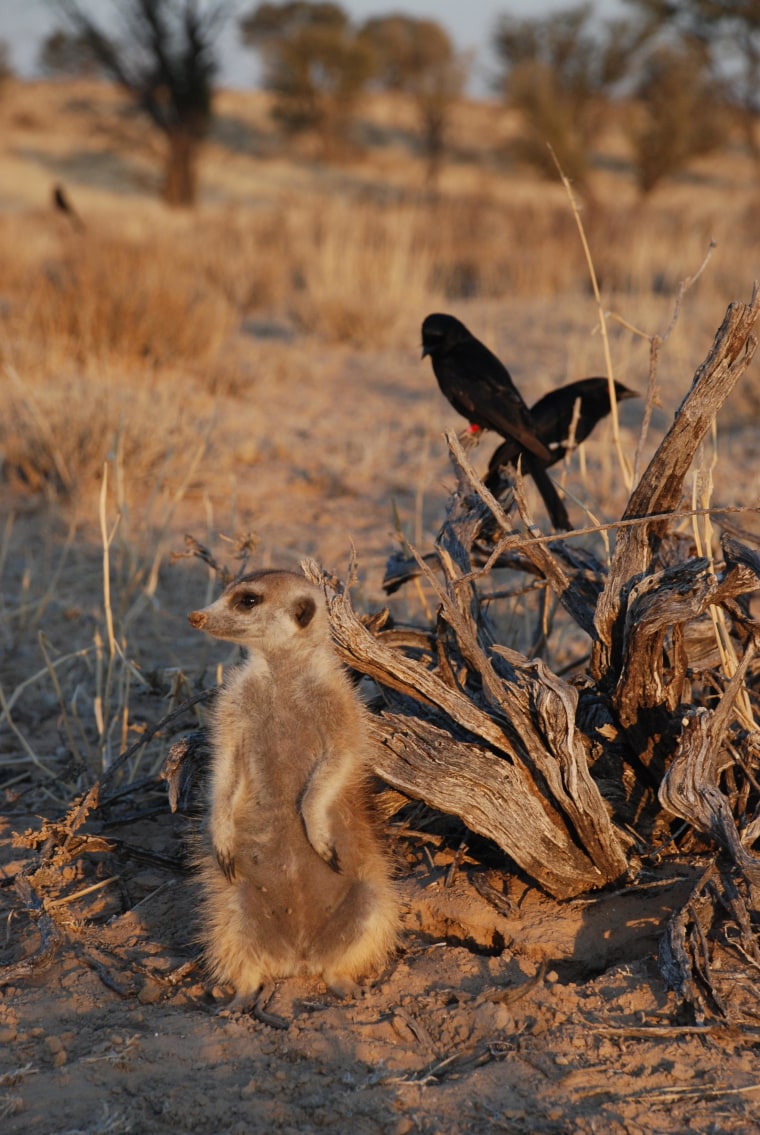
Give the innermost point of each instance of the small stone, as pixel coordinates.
(404, 1126)
(492, 1017)
(150, 993)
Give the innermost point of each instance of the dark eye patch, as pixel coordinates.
(248, 600)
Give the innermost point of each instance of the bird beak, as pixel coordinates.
(425, 351)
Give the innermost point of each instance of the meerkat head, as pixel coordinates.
(266, 609)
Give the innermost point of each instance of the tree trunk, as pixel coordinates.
(181, 172)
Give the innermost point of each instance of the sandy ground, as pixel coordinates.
(543, 1020)
(501, 1013)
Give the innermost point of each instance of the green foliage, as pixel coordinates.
(727, 33)
(417, 56)
(681, 114)
(558, 72)
(315, 64)
(407, 52)
(273, 22)
(6, 68)
(64, 53)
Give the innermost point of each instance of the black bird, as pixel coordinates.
(479, 387)
(562, 417)
(477, 384)
(61, 201)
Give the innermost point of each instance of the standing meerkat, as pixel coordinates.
(295, 880)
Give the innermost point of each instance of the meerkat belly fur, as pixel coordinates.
(294, 878)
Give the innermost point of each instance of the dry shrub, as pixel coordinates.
(246, 256)
(354, 270)
(493, 248)
(359, 271)
(56, 436)
(99, 296)
(357, 268)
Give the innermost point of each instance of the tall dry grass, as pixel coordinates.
(100, 331)
(343, 268)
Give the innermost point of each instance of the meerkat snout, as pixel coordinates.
(197, 619)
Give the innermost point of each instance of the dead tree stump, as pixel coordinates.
(478, 730)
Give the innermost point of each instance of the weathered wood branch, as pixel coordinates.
(527, 785)
(679, 955)
(574, 574)
(580, 603)
(690, 788)
(660, 488)
(491, 795)
(657, 606)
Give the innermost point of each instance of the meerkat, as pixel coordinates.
(295, 880)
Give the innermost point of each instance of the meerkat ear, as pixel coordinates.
(303, 611)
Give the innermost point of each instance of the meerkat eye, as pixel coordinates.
(248, 600)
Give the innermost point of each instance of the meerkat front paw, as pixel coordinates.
(320, 840)
(226, 861)
(332, 859)
(326, 850)
(315, 817)
(223, 841)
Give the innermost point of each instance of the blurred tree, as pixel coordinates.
(6, 67)
(164, 58)
(314, 63)
(64, 53)
(727, 32)
(560, 73)
(679, 113)
(417, 56)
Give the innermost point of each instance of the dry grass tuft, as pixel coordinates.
(56, 436)
(99, 296)
(357, 268)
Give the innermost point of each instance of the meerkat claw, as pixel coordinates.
(227, 864)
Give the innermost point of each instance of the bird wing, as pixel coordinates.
(575, 408)
(480, 387)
